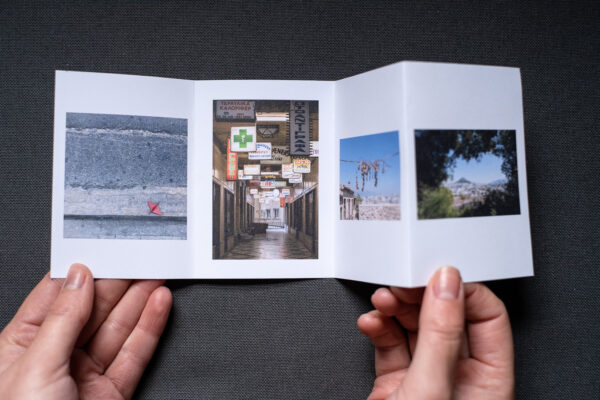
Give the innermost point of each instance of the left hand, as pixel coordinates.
(85, 339)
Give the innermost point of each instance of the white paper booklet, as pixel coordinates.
(381, 177)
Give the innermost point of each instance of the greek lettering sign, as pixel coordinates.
(252, 169)
(235, 110)
(243, 138)
(263, 152)
(253, 191)
(285, 192)
(299, 129)
(295, 180)
(302, 165)
(232, 163)
(279, 155)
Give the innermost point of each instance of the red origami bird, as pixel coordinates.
(154, 208)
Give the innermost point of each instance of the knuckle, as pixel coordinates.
(69, 310)
(446, 328)
(120, 326)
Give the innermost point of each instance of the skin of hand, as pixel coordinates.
(82, 338)
(447, 341)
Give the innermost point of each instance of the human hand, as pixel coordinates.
(423, 351)
(86, 339)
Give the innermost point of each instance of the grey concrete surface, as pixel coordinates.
(151, 227)
(114, 165)
(174, 126)
(130, 201)
(124, 159)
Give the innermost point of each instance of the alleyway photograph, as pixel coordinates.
(265, 179)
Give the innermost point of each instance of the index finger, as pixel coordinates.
(488, 325)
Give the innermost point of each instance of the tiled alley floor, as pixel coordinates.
(273, 245)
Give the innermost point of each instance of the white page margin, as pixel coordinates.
(117, 94)
(454, 96)
(372, 251)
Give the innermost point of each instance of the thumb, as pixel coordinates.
(66, 318)
(441, 330)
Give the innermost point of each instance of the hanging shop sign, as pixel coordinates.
(243, 138)
(275, 192)
(267, 131)
(282, 202)
(285, 192)
(287, 170)
(254, 183)
(302, 165)
(295, 180)
(299, 128)
(270, 184)
(256, 196)
(314, 148)
(253, 191)
(267, 184)
(263, 152)
(279, 155)
(232, 163)
(252, 169)
(241, 175)
(267, 177)
(235, 110)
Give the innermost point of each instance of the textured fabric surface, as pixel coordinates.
(297, 339)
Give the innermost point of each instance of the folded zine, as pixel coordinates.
(381, 177)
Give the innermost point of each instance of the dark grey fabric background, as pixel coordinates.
(297, 339)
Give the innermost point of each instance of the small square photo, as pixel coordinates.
(125, 177)
(370, 177)
(466, 173)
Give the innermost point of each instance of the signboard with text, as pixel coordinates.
(263, 152)
(252, 169)
(279, 155)
(299, 128)
(314, 148)
(302, 165)
(235, 110)
(287, 170)
(241, 175)
(232, 164)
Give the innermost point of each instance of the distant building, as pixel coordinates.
(347, 203)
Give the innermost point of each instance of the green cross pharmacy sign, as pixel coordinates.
(243, 138)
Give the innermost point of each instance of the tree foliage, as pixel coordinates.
(436, 155)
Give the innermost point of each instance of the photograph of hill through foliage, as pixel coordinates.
(466, 173)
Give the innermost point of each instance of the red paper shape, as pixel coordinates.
(154, 208)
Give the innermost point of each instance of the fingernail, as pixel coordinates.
(448, 284)
(75, 278)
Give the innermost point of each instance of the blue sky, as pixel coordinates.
(370, 148)
(485, 171)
